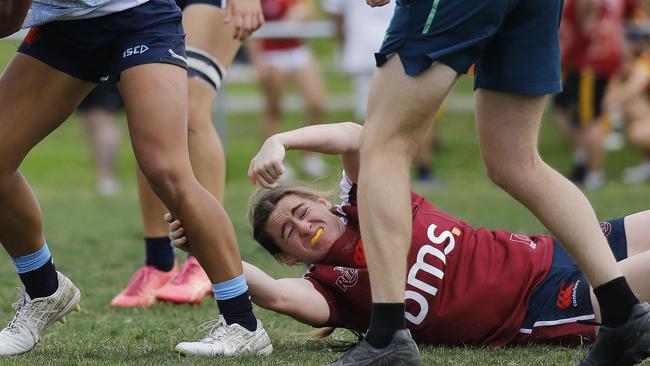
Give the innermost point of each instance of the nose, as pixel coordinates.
(304, 227)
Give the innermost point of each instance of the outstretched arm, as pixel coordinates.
(295, 297)
(335, 139)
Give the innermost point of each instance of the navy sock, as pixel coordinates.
(386, 319)
(616, 301)
(36, 271)
(41, 282)
(239, 309)
(159, 253)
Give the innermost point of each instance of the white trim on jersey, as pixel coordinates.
(346, 186)
(548, 323)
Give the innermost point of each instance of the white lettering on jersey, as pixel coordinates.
(134, 50)
(421, 265)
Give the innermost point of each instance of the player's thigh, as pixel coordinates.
(34, 100)
(206, 29)
(401, 107)
(155, 97)
(508, 126)
(637, 231)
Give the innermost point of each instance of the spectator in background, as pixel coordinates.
(631, 97)
(361, 30)
(280, 60)
(591, 36)
(97, 112)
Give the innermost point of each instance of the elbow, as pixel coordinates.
(353, 130)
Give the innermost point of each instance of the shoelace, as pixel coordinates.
(25, 310)
(18, 306)
(135, 284)
(347, 346)
(215, 328)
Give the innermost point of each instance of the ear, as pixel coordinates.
(325, 203)
(285, 259)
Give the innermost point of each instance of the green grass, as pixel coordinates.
(96, 241)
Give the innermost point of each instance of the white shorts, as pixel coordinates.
(287, 60)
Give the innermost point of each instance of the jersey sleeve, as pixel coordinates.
(348, 195)
(334, 302)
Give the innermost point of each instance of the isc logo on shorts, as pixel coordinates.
(134, 51)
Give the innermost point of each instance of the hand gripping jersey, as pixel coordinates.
(464, 285)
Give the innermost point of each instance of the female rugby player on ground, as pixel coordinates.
(465, 285)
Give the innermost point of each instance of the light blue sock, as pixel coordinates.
(231, 288)
(30, 262)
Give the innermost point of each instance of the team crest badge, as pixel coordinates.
(606, 227)
(348, 277)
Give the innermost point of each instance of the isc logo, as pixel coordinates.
(421, 265)
(134, 50)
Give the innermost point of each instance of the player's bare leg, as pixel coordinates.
(635, 267)
(25, 83)
(159, 134)
(165, 162)
(508, 129)
(103, 133)
(637, 114)
(203, 25)
(310, 85)
(272, 83)
(388, 143)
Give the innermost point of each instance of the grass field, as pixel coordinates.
(97, 242)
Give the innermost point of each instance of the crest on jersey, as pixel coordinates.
(606, 227)
(348, 277)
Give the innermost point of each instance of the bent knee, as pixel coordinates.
(168, 180)
(508, 173)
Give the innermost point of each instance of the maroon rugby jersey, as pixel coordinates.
(464, 285)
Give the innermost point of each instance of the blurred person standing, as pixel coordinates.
(591, 38)
(279, 61)
(98, 115)
(632, 97)
(361, 30)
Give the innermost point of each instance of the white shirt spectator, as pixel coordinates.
(364, 28)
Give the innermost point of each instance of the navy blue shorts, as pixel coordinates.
(97, 49)
(514, 43)
(563, 298)
(185, 3)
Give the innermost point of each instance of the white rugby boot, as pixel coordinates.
(227, 340)
(33, 316)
